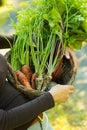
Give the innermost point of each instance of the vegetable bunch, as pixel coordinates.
(44, 29)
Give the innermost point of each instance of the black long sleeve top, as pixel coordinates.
(16, 110)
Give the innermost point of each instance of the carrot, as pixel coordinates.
(22, 79)
(33, 80)
(27, 71)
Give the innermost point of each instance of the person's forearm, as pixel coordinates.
(6, 41)
(23, 114)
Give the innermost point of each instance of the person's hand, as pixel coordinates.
(60, 93)
(70, 54)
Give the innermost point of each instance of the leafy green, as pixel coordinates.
(42, 25)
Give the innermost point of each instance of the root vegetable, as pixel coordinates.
(22, 79)
(27, 71)
(33, 80)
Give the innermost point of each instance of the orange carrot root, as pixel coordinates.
(22, 79)
(27, 71)
(33, 80)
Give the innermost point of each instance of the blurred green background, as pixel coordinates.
(73, 114)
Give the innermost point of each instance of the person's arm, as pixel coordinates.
(6, 41)
(21, 115)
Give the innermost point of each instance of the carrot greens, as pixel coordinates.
(45, 26)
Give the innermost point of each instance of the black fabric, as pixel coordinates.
(17, 111)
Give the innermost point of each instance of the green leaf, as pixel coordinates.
(76, 45)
